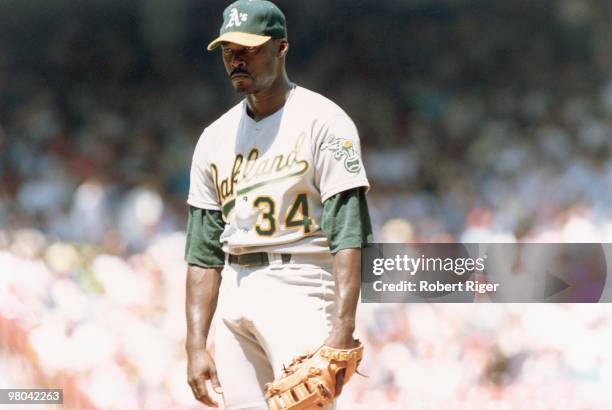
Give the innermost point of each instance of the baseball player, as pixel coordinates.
(277, 220)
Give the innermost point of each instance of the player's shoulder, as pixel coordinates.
(317, 104)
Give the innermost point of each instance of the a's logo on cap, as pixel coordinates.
(235, 18)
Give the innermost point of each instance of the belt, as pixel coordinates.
(256, 259)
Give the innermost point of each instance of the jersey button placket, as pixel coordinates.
(255, 131)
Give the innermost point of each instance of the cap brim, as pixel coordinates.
(237, 37)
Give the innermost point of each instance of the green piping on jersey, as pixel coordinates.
(203, 248)
(346, 220)
(227, 208)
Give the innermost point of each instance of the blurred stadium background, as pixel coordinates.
(480, 121)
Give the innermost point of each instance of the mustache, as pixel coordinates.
(239, 70)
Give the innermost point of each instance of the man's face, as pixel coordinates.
(251, 69)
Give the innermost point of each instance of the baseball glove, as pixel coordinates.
(309, 382)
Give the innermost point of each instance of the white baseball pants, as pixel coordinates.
(265, 317)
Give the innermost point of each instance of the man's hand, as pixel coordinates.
(201, 367)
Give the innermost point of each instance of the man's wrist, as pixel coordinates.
(343, 326)
(341, 333)
(195, 343)
(341, 339)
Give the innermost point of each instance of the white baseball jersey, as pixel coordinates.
(271, 177)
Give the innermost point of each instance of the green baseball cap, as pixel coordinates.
(251, 23)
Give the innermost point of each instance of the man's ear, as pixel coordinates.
(283, 47)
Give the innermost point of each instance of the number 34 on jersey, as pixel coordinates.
(297, 216)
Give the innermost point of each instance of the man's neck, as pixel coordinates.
(268, 101)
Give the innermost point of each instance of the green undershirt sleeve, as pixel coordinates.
(203, 248)
(346, 220)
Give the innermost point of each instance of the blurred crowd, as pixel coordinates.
(480, 121)
(107, 329)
